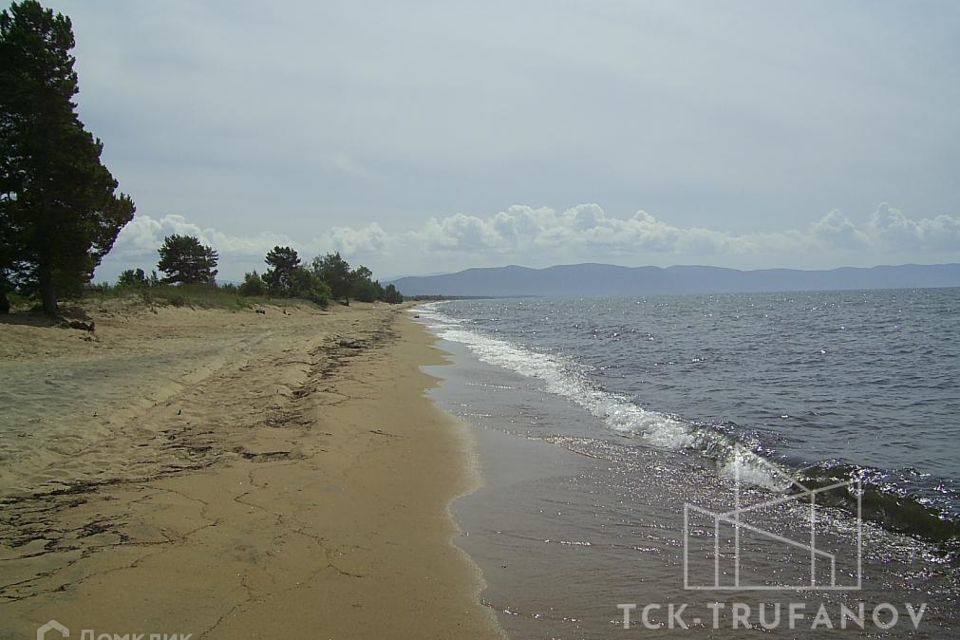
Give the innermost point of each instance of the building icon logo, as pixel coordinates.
(52, 625)
(731, 539)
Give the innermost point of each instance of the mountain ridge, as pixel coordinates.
(592, 279)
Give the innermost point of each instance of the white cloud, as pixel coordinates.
(145, 234)
(365, 241)
(836, 229)
(587, 232)
(137, 245)
(584, 233)
(894, 228)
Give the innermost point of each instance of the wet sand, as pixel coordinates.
(232, 474)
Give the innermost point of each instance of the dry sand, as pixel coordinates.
(230, 474)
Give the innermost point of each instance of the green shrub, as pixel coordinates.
(366, 290)
(307, 285)
(133, 278)
(391, 295)
(253, 285)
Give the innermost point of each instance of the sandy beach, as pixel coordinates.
(232, 474)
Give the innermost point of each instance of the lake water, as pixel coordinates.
(602, 423)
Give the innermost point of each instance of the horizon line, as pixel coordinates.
(673, 266)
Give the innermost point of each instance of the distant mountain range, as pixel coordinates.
(609, 280)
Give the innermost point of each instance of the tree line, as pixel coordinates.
(184, 260)
(60, 208)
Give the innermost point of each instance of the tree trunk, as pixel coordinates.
(4, 303)
(47, 295)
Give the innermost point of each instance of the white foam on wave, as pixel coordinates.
(432, 317)
(562, 378)
(618, 413)
(750, 468)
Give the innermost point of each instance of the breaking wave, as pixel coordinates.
(734, 453)
(618, 413)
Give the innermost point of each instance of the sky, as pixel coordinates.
(423, 137)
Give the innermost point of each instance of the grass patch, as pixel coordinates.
(196, 296)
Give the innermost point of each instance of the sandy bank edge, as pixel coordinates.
(336, 526)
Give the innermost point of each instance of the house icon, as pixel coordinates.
(821, 574)
(53, 625)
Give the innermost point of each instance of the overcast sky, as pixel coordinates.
(421, 137)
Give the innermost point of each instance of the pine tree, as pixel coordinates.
(186, 260)
(59, 210)
(335, 271)
(284, 263)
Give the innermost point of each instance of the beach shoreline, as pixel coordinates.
(233, 474)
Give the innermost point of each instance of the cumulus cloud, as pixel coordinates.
(523, 228)
(144, 234)
(894, 228)
(370, 240)
(138, 242)
(586, 230)
(539, 236)
(583, 230)
(836, 229)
